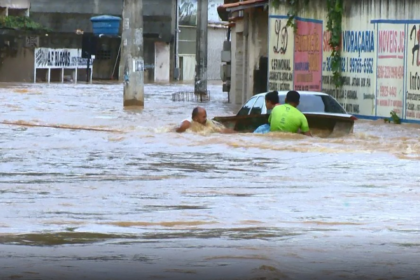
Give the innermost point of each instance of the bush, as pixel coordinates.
(22, 23)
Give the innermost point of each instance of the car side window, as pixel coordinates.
(332, 106)
(247, 107)
(311, 103)
(258, 106)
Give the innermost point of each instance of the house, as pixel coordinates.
(246, 52)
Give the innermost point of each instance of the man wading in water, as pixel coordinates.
(271, 101)
(287, 118)
(199, 117)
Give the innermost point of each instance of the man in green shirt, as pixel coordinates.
(288, 118)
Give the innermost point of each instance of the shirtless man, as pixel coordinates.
(199, 115)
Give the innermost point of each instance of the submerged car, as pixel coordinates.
(326, 117)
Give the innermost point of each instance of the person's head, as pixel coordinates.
(271, 99)
(293, 98)
(199, 115)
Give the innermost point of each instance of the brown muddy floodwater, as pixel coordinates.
(121, 196)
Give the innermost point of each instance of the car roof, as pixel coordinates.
(300, 92)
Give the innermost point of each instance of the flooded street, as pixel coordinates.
(89, 190)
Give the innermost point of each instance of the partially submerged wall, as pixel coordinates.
(380, 56)
(17, 61)
(17, 66)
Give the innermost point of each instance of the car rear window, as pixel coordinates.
(317, 104)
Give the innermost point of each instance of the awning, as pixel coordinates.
(225, 9)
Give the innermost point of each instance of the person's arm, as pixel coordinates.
(308, 133)
(184, 126)
(304, 127)
(221, 128)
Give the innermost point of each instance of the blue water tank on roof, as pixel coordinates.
(107, 25)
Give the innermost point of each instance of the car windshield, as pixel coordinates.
(247, 107)
(317, 104)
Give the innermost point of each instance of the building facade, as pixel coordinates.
(380, 57)
(158, 32)
(67, 20)
(169, 37)
(217, 32)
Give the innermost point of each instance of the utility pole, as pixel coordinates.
(132, 63)
(201, 48)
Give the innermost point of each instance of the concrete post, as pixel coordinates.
(177, 73)
(132, 62)
(201, 47)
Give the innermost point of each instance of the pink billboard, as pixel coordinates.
(308, 55)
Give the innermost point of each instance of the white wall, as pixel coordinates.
(162, 62)
(216, 36)
(188, 67)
